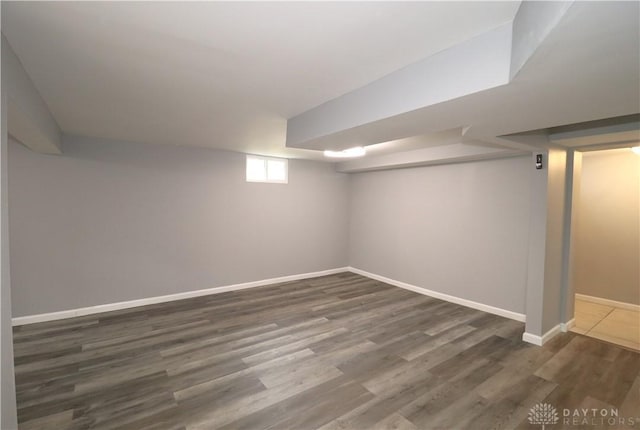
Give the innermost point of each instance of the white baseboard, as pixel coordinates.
(541, 340)
(565, 327)
(608, 302)
(52, 316)
(446, 297)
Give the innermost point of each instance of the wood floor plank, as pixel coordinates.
(394, 422)
(383, 405)
(510, 406)
(422, 410)
(334, 352)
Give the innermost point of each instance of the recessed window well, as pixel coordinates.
(267, 169)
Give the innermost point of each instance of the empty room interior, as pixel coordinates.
(320, 215)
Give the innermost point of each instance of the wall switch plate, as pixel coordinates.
(538, 161)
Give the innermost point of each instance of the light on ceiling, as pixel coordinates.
(358, 151)
(636, 150)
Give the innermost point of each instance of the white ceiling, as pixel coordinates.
(408, 79)
(584, 68)
(222, 74)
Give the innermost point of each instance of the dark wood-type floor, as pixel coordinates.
(338, 352)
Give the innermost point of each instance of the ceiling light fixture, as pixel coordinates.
(358, 151)
(636, 150)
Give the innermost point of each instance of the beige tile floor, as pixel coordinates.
(608, 323)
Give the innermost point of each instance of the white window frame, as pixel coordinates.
(266, 165)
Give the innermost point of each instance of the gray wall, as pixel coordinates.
(554, 241)
(574, 175)
(535, 286)
(459, 229)
(607, 254)
(8, 414)
(109, 222)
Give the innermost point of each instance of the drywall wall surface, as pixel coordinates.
(537, 245)
(110, 221)
(572, 220)
(555, 239)
(459, 229)
(8, 413)
(607, 254)
(546, 267)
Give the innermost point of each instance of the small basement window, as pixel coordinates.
(267, 169)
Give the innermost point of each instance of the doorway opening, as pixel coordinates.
(605, 268)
